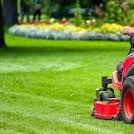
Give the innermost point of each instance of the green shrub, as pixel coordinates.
(78, 19)
(114, 12)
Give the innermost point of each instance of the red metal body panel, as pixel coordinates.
(106, 110)
(115, 82)
(126, 64)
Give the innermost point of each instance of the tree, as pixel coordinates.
(2, 40)
(116, 11)
(78, 16)
(10, 12)
(99, 6)
(123, 6)
(54, 7)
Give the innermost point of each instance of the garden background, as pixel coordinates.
(48, 76)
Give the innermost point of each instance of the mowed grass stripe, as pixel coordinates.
(9, 131)
(54, 118)
(47, 112)
(12, 127)
(43, 98)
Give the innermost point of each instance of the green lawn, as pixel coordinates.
(47, 87)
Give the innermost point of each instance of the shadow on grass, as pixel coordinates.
(63, 49)
(26, 45)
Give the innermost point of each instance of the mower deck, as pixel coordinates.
(106, 105)
(107, 109)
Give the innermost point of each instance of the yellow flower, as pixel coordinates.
(112, 28)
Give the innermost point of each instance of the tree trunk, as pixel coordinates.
(2, 40)
(10, 12)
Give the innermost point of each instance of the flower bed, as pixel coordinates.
(59, 31)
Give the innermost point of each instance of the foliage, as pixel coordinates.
(70, 32)
(46, 7)
(78, 19)
(111, 28)
(112, 8)
(114, 12)
(105, 28)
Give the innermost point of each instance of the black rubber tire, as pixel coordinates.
(128, 87)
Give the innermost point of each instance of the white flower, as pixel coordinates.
(52, 20)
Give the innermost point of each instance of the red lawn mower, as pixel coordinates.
(106, 105)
